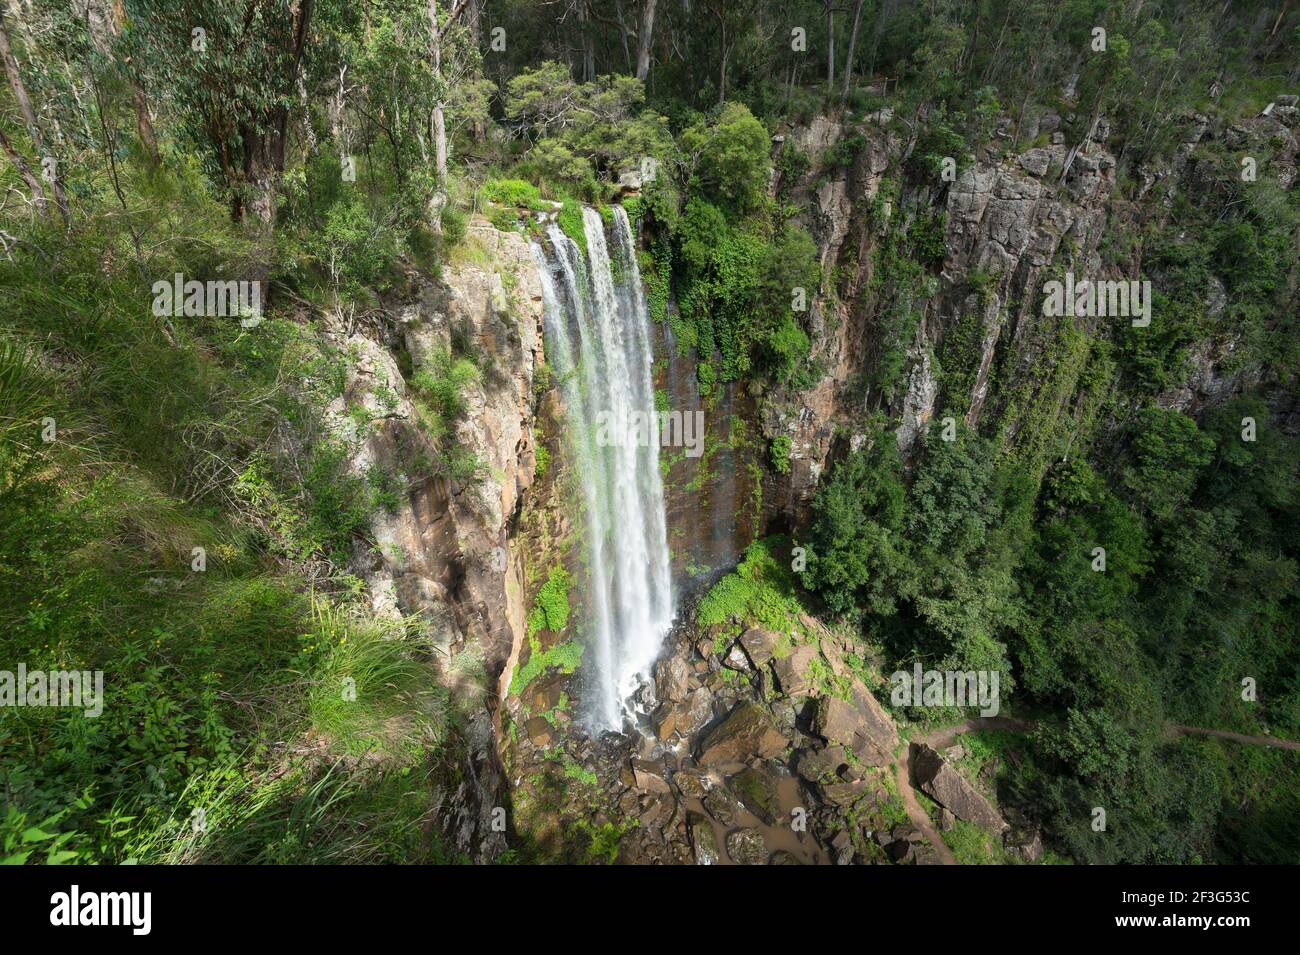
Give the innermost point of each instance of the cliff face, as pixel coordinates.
(982, 348)
(443, 553)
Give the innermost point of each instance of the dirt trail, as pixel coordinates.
(942, 738)
(916, 812)
(1175, 729)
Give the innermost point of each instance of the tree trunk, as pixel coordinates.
(24, 170)
(643, 40)
(439, 120)
(830, 48)
(722, 65)
(853, 40)
(29, 119)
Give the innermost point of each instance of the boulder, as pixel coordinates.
(1036, 161)
(691, 783)
(648, 777)
(704, 842)
(843, 795)
(540, 733)
(757, 793)
(684, 719)
(759, 644)
(860, 723)
(736, 659)
(793, 672)
(722, 806)
(747, 732)
(746, 847)
(672, 679)
(950, 789)
(823, 765)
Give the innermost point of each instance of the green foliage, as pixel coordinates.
(779, 453)
(761, 592)
(513, 192)
(855, 545)
(564, 657)
(732, 158)
(552, 609)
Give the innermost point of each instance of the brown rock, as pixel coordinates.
(648, 777)
(950, 789)
(860, 723)
(672, 679)
(540, 732)
(793, 672)
(745, 733)
(684, 719)
(759, 644)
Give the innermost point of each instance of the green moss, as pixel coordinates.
(569, 219)
(564, 657)
(761, 592)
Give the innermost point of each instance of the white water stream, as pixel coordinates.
(598, 343)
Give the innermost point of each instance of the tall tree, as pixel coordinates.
(437, 29)
(853, 40)
(643, 39)
(49, 163)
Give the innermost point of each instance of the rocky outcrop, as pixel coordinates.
(949, 788)
(746, 847)
(441, 553)
(747, 732)
(860, 724)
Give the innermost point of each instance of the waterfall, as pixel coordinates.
(598, 342)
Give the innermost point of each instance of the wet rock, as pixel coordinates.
(672, 679)
(860, 723)
(545, 693)
(950, 789)
(759, 644)
(757, 793)
(823, 765)
(793, 672)
(722, 806)
(747, 732)
(684, 719)
(540, 733)
(648, 777)
(781, 857)
(691, 783)
(746, 847)
(657, 812)
(704, 842)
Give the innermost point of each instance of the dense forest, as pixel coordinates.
(275, 527)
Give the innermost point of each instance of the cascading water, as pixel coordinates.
(598, 342)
